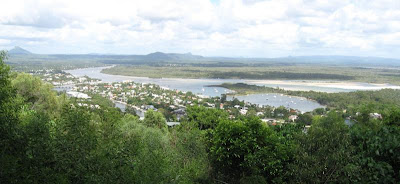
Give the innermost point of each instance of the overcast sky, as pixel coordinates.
(246, 28)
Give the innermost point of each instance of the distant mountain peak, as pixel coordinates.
(172, 56)
(18, 50)
(157, 53)
(158, 56)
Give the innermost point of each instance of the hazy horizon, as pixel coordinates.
(237, 57)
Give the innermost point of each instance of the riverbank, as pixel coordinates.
(347, 85)
(319, 74)
(295, 84)
(246, 89)
(340, 100)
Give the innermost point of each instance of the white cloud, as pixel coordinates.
(4, 42)
(230, 27)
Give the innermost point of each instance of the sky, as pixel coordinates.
(234, 28)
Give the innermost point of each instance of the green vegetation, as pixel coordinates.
(342, 100)
(264, 71)
(48, 138)
(222, 72)
(205, 118)
(33, 62)
(245, 89)
(248, 148)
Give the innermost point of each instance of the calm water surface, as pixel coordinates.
(276, 100)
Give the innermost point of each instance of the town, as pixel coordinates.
(137, 98)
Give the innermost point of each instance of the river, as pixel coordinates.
(198, 86)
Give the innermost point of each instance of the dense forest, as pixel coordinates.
(47, 138)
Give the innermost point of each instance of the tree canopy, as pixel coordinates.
(48, 138)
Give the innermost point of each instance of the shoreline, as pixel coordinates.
(291, 85)
(353, 85)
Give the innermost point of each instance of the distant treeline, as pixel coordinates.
(204, 63)
(169, 63)
(390, 75)
(131, 62)
(169, 70)
(280, 75)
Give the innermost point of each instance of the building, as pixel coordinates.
(259, 113)
(172, 124)
(78, 95)
(179, 113)
(293, 118)
(268, 120)
(375, 115)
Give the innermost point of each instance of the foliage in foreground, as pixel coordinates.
(47, 138)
